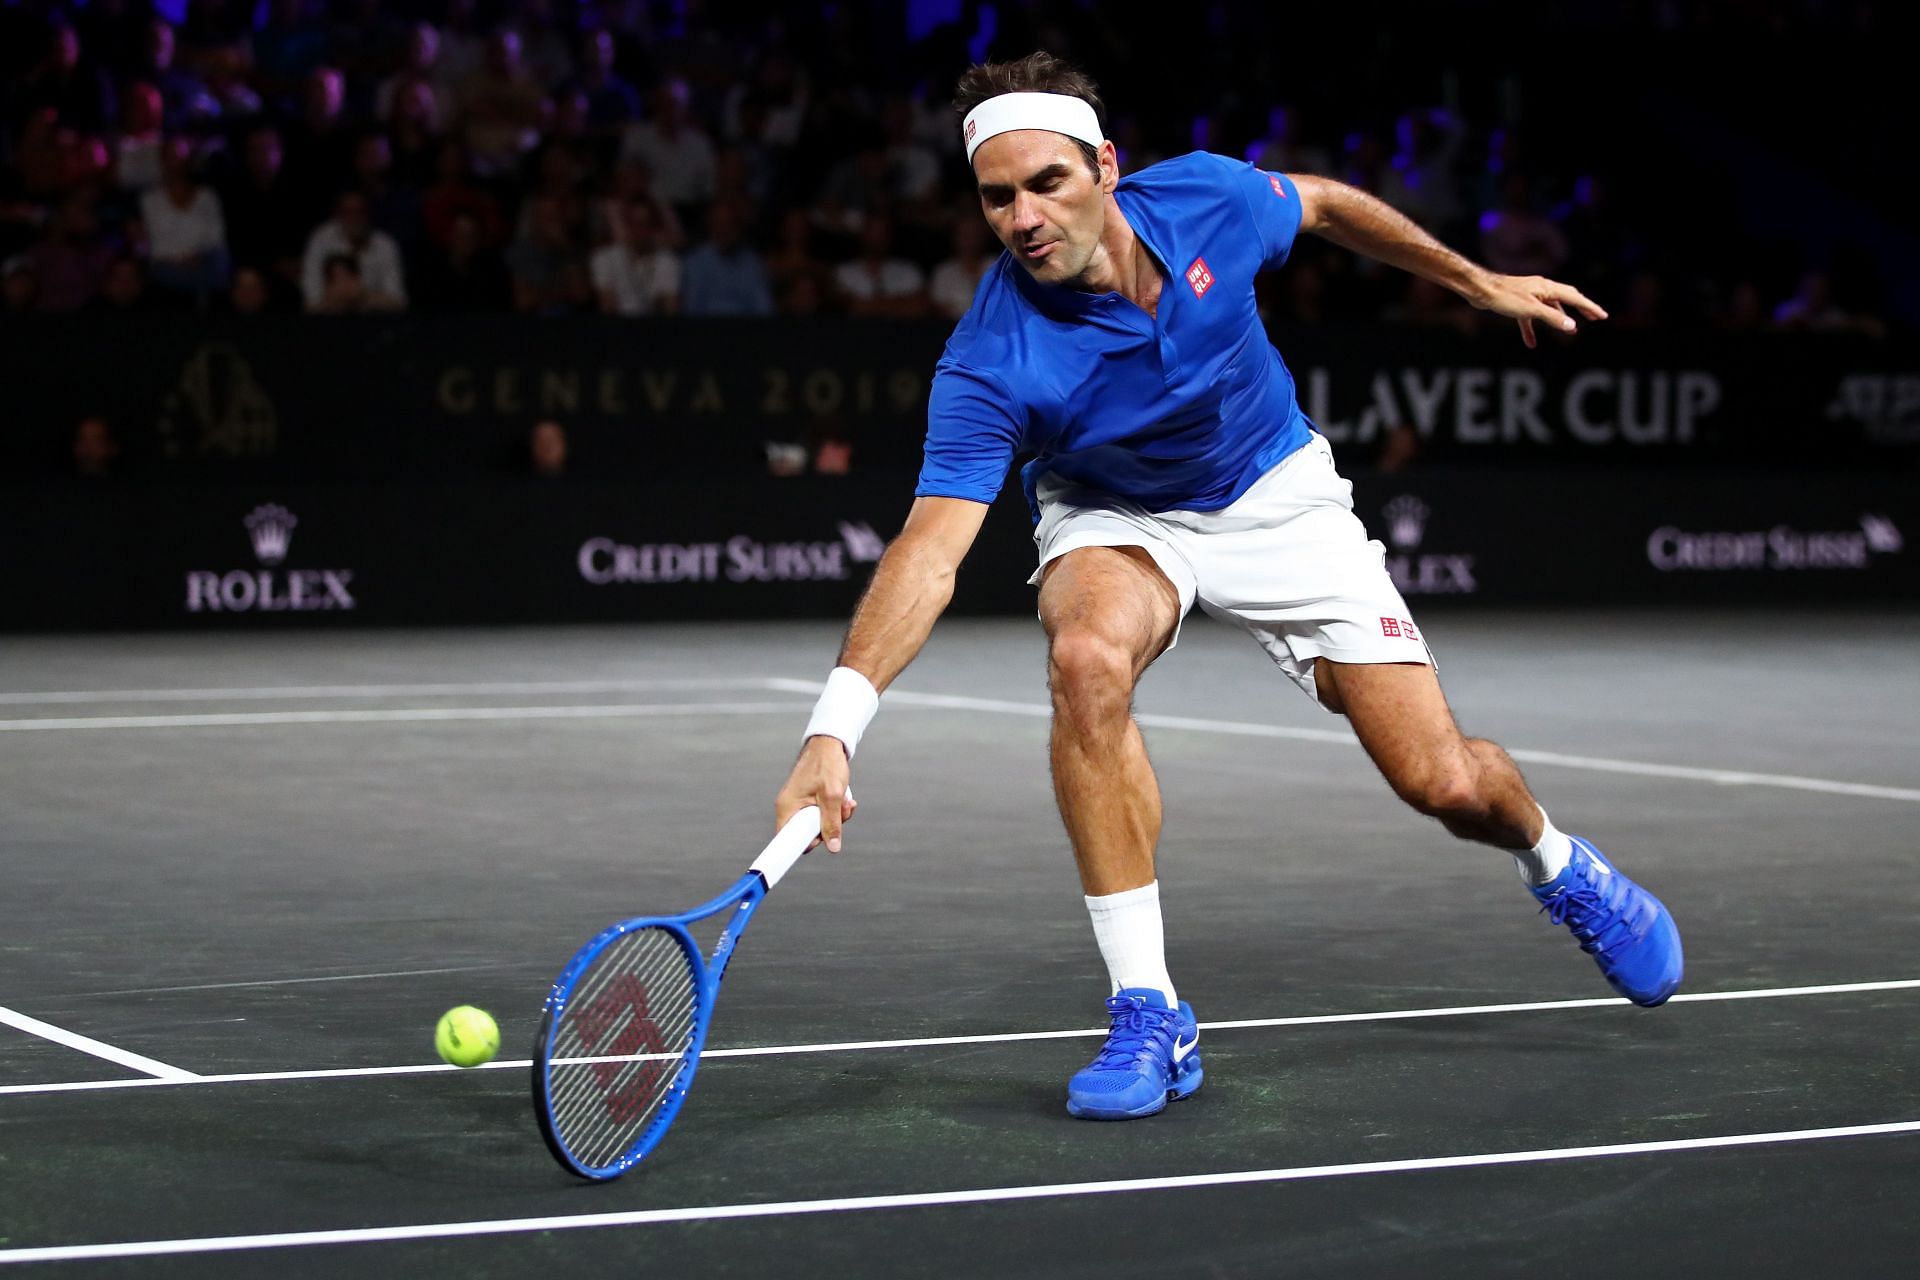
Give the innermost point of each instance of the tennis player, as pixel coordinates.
(1117, 341)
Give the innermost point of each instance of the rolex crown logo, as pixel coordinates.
(271, 528)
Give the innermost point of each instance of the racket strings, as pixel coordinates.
(621, 1043)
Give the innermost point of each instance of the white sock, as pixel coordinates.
(1127, 927)
(1546, 859)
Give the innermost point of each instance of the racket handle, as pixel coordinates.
(786, 847)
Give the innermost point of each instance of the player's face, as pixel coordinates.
(1042, 201)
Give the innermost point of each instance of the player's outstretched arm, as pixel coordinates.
(911, 586)
(1366, 224)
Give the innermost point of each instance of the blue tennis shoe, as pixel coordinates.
(1626, 930)
(1151, 1055)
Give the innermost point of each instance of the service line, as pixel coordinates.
(1007, 1037)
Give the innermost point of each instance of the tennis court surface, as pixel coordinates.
(244, 875)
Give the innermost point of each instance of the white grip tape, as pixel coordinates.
(845, 708)
(786, 847)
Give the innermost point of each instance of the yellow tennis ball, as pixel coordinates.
(466, 1036)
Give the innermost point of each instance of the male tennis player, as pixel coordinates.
(1117, 340)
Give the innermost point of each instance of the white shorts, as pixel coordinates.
(1288, 561)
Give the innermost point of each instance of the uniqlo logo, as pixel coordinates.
(1273, 180)
(1200, 277)
(1390, 627)
(973, 127)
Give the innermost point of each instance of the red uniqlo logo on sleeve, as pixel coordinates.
(1390, 627)
(1200, 277)
(1273, 180)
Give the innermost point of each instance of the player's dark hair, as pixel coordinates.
(1039, 72)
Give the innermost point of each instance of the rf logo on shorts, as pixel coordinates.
(1200, 277)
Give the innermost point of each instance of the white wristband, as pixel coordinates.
(845, 708)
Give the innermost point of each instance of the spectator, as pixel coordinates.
(185, 228)
(1814, 309)
(913, 170)
(468, 274)
(53, 160)
(453, 193)
(79, 93)
(17, 285)
(1426, 305)
(1744, 311)
(503, 108)
(266, 224)
(1645, 305)
(319, 147)
(545, 263)
(463, 49)
(186, 103)
(1418, 178)
(416, 68)
(724, 276)
(547, 449)
(136, 152)
(342, 288)
(413, 132)
(549, 60)
(251, 293)
(287, 49)
(878, 282)
(611, 101)
(675, 150)
(393, 207)
(124, 291)
(956, 279)
(377, 271)
(94, 448)
(636, 275)
(225, 72)
(70, 263)
(634, 181)
(1280, 150)
(856, 187)
(1516, 240)
(796, 274)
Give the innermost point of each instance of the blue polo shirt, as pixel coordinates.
(1182, 410)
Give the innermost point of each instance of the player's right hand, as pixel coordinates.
(821, 776)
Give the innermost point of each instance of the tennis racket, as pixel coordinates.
(625, 1022)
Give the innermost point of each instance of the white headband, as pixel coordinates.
(1054, 112)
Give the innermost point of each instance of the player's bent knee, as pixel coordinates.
(1443, 792)
(1085, 664)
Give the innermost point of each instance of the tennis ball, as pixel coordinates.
(466, 1036)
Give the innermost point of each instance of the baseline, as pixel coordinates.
(1239, 728)
(919, 1200)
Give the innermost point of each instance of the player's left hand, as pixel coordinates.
(1537, 300)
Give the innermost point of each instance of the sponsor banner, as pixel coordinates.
(346, 398)
(224, 555)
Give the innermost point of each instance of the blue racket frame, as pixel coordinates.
(743, 898)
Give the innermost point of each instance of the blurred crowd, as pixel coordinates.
(640, 158)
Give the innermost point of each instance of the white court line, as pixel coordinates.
(1599, 764)
(899, 697)
(224, 719)
(286, 982)
(851, 1046)
(930, 1199)
(162, 1073)
(258, 692)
